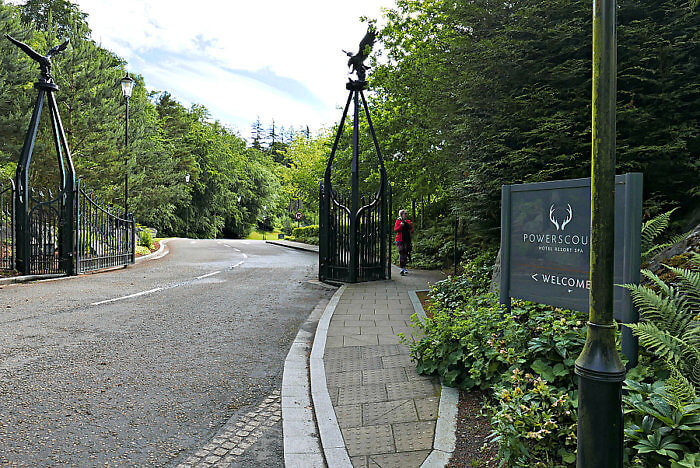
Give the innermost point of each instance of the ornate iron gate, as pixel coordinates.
(46, 228)
(7, 228)
(354, 240)
(46, 222)
(104, 238)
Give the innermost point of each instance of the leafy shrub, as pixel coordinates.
(146, 238)
(306, 231)
(527, 357)
(534, 421)
(453, 343)
(659, 426)
(141, 250)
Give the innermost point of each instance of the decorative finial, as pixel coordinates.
(43, 61)
(356, 61)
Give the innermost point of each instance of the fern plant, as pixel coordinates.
(663, 417)
(670, 321)
(651, 229)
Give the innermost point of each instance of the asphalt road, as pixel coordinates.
(141, 366)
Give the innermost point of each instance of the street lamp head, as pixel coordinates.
(187, 178)
(127, 85)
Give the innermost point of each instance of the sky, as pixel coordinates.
(243, 60)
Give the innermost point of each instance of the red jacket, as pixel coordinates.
(399, 231)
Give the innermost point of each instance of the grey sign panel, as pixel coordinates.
(546, 242)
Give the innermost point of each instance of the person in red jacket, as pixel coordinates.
(403, 229)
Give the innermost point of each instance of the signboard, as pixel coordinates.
(297, 215)
(545, 242)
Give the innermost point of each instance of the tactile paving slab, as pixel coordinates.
(343, 379)
(427, 408)
(399, 360)
(348, 365)
(352, 352)
(382, 350)
(412, 436)
(368, 440)
(411, 389)
(399, 460)
(354, 394)
(380, 376)
(389, 412)
(349, 415)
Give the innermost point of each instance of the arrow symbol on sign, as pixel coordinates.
(570, 291)
(534, 276)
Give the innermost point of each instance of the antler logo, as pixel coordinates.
(562, 225)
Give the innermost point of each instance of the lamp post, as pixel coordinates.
(599, 368)
(187, 228)
(127, 87)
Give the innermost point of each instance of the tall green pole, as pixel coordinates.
(599, 367)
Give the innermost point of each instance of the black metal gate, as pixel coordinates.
(46, 228)
(7, 227)
(354, 231)
(105, 237)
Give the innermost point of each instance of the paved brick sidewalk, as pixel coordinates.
(386, 411)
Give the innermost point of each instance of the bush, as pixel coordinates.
(534, 421)
(146, 238)
(306, 231)
(527, 357)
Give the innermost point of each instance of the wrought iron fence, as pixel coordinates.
(7, 226)
(104, 238)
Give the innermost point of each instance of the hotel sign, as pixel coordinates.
(545, 242)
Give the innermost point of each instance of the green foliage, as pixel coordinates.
(534, 422)
(669, 325)
(142, 250)
(659, 427)
(306, 231)
(166, 140)
(663, 415)
(472, 95)
(651, 229)
(146, 238)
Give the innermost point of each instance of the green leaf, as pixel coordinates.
(544, 370)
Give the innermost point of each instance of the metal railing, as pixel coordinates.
(7, 226)
(105, 238)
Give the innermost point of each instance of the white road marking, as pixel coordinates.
(128, 297)
(143, 293)
(244, 255)
(193, 242)
(209, 274)
(237, 250)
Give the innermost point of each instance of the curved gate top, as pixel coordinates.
(354, 231)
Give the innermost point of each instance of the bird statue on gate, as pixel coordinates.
(44, 61)
(356, 61)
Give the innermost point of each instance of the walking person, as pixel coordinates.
(404, 229)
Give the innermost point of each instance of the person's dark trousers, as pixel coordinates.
(403, 254)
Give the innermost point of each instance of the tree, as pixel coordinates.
(257, 134)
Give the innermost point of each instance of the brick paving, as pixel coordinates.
(386, 412)
(236, 436)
